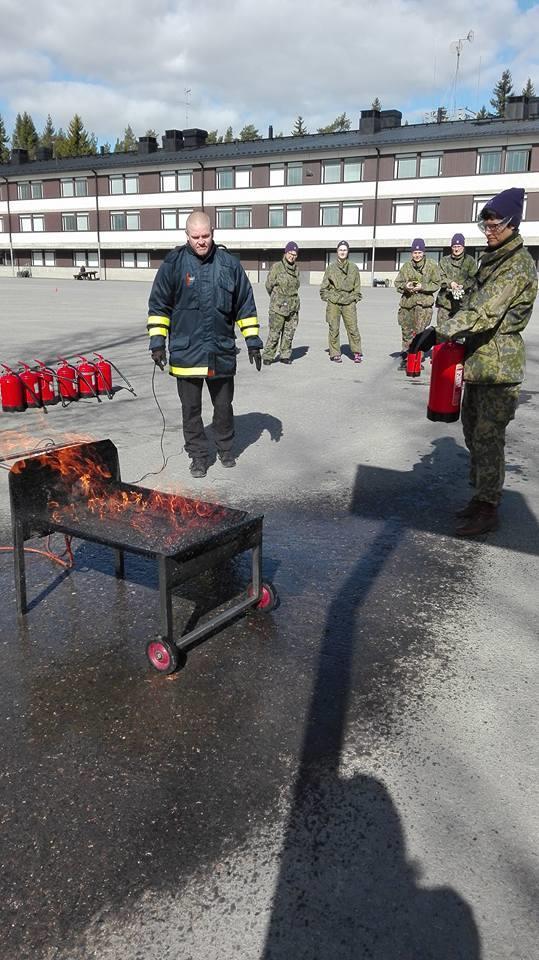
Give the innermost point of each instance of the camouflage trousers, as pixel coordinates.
(333, 319)
(412, 321)
(280, 335)
(442, 315)
(486, 411)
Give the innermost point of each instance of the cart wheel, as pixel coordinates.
(268, 597)
(163, 656)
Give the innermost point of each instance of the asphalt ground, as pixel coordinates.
(349, 776)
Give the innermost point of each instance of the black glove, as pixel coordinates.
(255, 356)
(159, 357)
(423, 341)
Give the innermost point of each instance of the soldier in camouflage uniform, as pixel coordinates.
(490, 322)
(457, 274)
(282, 285)
(417, 281)
(341, 291)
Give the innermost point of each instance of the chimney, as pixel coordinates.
(270, 132)
(18, 156)
(147, 144)
(173, 140)
(195, 137)
(389, 119)
(516, 108)
(370, 121)
(44, 153)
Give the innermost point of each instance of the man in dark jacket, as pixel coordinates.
(199, 293)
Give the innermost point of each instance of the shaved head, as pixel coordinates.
(199, 232)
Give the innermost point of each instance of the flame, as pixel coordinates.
(15, 444)
(83, 485)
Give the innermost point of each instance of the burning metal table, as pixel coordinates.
(76, 490)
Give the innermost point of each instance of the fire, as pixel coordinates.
(15, 444)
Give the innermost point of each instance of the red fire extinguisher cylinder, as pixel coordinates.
(46, 378)
(87, 378)
(12, 392)
(32, 385)
(103, 375)
(413, 364)
(446, 381)
(66, 375)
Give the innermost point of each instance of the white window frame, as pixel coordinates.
(403, 206)
(1, 224)
(477, 205)
(276, 208)
(131, 220)
(293, 215)
(354, 213)
(428, 202)
(78, 185)
(242, 177)
(140, 259)
(43, 258)
(324, 209)
(82, 222)
(401, 159)
(331, 165)
(220, 174)
(129, 183)
(430, 156)
(359, 257)
(240, 211)
(31, 223)
(277, 175)
(292, 181)
(85, 258)
(223, 213)
(487, 151)
(525, 149)
(34, 190)
(349, 163)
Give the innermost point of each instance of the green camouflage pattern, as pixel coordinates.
(282, 285)
(412, 322)
(341, 283)
(493, 315)
(280, 336)
(486, 411)
(461, 270)
(333, 319)
(426, 273)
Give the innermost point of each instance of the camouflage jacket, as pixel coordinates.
(426, 273)
(282, 285)
(341, 283)
(496, 310)
(462, 270)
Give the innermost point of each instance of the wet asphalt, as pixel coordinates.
(347, 776)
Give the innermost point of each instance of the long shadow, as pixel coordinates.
(249, 427)
(346, 888)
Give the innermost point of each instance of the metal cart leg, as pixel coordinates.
(20, 575)
(165, 599)
(119, 567)
(256, 568)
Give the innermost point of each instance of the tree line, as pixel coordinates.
(76, 141)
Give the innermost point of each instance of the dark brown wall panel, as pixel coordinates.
(53, 222)
(150, 219)
(51, 189)
(148, 183)
(368, 212)
(211, 213)
(455, 209)
(532, 206)
(311, 215)
(383, 215)
(210, 179)
(260, 216)
(534, 161)
(64, 260)
(312, 171)
(387, 166)
(385, 259)
(459, 163)
(369, 168)
(260, 175)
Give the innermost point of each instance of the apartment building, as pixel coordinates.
(377, 187)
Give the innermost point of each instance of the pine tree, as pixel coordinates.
(4, 140)
(77, 142)
(376, 105)
(482, 114)
(502, 90)
(25, 135)
(151, 133)
(128, 143)
(529, 89)
(339, 125)
(249, 132)
(299, 129)
(48, 136)
(213, 137)
(229, 136)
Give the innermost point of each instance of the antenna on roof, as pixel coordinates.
(187, 94)
(458, 46)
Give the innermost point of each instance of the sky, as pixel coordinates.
(165, 64)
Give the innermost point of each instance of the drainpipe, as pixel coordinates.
(201, 165)
(98, 230)
(375, 218)
(9, 225)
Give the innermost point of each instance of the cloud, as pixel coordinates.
(130, 62)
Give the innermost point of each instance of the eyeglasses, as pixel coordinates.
(493, 226)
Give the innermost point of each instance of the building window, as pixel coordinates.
(293, 215)
(329, 214)
(276, 217)
(353, 170)
(276, 174)
(85, 258)
(331, 171)
(225, 179)
(477, 206)
(359, 257)
(132, 259)
(352, 213)
(489, 161)
(124, 183)
(403, 256)
(224, 218)
(124, 220)
(243, 177)
(430, 165)
(294, 174)
(174, 219)
(176, 181)
(242, 218)
(517, 160)
(43, 258)
(405, 166)
(75, 221)
(32, 223)
(434, 255)
(402, 211)
(31, 190)
(427, 211)
(74, 187)
(1, 224)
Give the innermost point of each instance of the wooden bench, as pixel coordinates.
(87, 275)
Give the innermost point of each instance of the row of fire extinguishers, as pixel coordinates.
(445, 380)
(43, 386)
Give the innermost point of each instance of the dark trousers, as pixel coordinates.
(221, 393)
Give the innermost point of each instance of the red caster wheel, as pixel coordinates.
(268, 597)
(162, 655)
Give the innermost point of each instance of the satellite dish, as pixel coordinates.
(470, 36)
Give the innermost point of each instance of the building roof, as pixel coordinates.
(399, 138)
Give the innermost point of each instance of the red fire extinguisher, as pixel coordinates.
(103, 375)
(12, 391)
(46, 377)
(446, 381)
(66, 375)
(32, 385)
(87, 378)
(413, 364)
